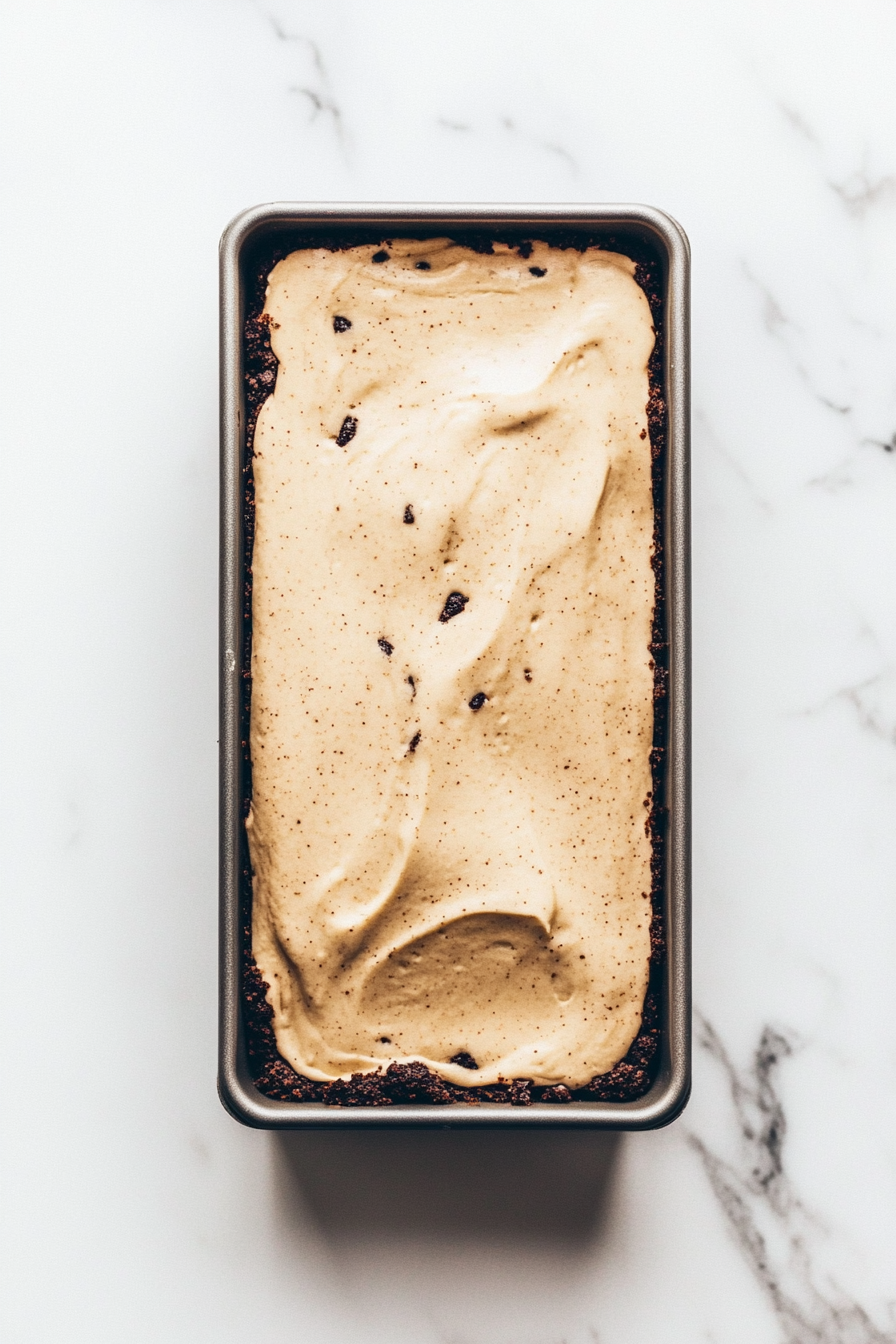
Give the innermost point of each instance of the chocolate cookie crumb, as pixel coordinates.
(537, 270)
(348, 431)
(454, 605)
(380, 257)
(521, 1092)
(422, 266)
(414, 743)
(478, 700)
(362, 1089)
(415, 1082)
(465, 1060)
(527, 673)
(558, 1093)
(409, 514)
(387, 648)
(341, 324)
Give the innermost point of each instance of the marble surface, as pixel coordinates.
(134, 1208)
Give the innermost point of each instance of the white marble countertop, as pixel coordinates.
(135, 1208)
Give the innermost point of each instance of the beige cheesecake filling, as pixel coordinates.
(452, 691)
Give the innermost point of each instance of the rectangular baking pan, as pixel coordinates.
(669, 1093)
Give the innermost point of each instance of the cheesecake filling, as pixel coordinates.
(452, 689)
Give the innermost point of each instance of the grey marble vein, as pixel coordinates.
(512, 128)
(785, 330)
(874, 701)
(706, 433)
(774, 1230)
(797, 121)
(888, 445)
(860, 192)
(547, 146)
(317, 89)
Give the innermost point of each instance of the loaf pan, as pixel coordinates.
(241, 242)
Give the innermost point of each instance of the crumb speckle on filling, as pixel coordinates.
(347, 431)
(454, 605)
(464, 1059)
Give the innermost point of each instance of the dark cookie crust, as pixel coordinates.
(414, 1083)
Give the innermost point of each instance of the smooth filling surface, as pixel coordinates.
(452, 694)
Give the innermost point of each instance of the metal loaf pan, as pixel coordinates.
(669, 1092)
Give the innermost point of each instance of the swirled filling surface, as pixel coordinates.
(452, 694)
